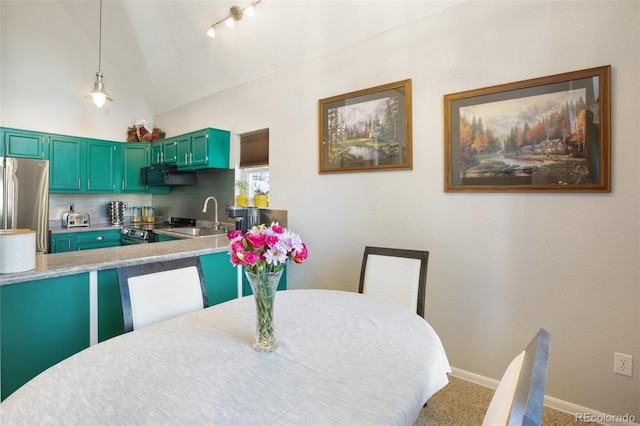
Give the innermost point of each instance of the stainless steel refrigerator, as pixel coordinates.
(24, 201)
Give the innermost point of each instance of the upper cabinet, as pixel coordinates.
(103, 166)
(163, 151)
(65, 164)
(89, 165)
(134, 157)
(204, 149)
(25, 144)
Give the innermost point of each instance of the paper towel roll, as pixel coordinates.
(17, 250)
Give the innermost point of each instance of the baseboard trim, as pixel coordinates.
(549, 401)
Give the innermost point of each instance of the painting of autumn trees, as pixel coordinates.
(538, 135)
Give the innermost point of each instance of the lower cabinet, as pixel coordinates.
(72, 241)
(41, 323)
(45, 321)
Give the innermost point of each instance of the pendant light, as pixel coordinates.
(98, 94)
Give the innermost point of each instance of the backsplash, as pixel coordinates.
(94, 204)
(187, 201)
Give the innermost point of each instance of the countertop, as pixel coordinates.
(77, 262)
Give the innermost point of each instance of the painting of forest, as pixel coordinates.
(550, 133)
(542, 135)
(366, 130)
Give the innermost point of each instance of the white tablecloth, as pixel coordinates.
(343, 358)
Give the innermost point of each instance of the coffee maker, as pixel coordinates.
(245, 217)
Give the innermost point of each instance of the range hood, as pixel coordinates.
(166, 174)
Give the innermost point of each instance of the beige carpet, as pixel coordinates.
(463, 403)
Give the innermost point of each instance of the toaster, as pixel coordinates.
(74, 220)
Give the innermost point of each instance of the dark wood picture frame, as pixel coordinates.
(366, 130)
(549, 134)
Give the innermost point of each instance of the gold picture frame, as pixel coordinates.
(367, 130)
(549, 134)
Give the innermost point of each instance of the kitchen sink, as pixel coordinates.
(196, 232)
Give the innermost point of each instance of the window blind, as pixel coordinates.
(254, 149)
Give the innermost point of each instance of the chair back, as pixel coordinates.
(154, 292)
(519, 398)
(395, 275)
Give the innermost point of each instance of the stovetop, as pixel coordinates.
(143, 230)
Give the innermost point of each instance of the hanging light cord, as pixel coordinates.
(100, 41)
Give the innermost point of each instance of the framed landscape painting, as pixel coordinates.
(367, 130)
(550, 134)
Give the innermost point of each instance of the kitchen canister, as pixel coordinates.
(17, 250)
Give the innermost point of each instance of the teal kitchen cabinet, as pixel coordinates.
(61, 243)
(88, 240)
(41, 323)
(163, 151)
(208, 148)
(103, 166)
(25, 144)
(220, 276)
(97, 239)
(134, 157)
(65, 164)
(109, 305)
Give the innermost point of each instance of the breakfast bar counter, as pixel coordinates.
(61, 264)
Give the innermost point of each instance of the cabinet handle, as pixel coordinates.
(78, 183)
(100, 238)
(162, 157)
(88, 183)
(123, 185)
(186, 158)
(190, 157)
(157, 157)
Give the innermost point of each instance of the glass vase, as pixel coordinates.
(264, 285)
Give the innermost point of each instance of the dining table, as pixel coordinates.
(343, 358)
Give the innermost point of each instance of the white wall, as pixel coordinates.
(501, 265)
(48, 64)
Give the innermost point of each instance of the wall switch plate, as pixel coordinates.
(623, 364)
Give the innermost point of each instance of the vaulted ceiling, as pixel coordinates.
(160, 47)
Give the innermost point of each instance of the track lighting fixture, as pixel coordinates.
(98, 94)
(235, 14)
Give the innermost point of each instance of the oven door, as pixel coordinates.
(127, 240)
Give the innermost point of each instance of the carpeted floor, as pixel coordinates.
(463, 403)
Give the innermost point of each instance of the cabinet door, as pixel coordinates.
(199, 149)
(183, 150)
(62, 243)
(109, 305)
(103, 166)
(134, 157)
(155, 155)
(169, 154)
(23, 144)
(42, 323)
(220, 277)
(65, 163)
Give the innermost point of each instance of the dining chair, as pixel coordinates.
(154, 292)
(395, 275)
(519, 398)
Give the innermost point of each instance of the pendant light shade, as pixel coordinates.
(99, 94)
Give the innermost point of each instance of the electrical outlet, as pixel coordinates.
(72, 207)
(623, 364)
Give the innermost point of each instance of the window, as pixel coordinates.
(254, 161)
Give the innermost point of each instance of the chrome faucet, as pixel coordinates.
(215, 203)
